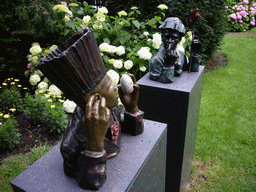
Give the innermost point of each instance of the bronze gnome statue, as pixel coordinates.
(169, 60)
(93, 133)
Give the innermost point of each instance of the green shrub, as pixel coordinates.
(35, 107)
(241, 15)
(56, 117)
(9, 135)
(10, 96)
(210, 29)
(8, 40)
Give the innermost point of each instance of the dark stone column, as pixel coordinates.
(176, 104)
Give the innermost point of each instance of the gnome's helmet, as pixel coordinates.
(172, 32)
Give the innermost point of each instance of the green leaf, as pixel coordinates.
(130, 14)
(66, 31)
(71, 24)
(106, 40)
(79, 28)
(136, 23)
(152, 22)
(158, 18)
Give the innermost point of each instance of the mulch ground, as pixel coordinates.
(32, 135)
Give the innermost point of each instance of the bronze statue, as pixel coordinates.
(169, 61)
(93, 133)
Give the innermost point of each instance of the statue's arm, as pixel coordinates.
(133, 117)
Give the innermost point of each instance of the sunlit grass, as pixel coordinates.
(226, 137)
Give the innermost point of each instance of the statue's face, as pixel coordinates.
(170, 38)
(110, 92)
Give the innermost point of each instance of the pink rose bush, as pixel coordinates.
(242, 15)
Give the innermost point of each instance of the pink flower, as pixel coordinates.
(64, 3)
(254, 4)
(240, 21)
(29, 65)
(243, 14)
(233, 16)
(83, 26)
(70, 14)
(234, 7)
(240, 8)
(233, 22)
(246, 2)
(238, 16)
(252, 23)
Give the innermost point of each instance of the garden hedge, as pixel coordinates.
(210, 28)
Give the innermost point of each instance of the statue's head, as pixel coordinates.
(107, 89)
(172, 32)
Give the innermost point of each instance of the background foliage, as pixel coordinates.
(210, 29)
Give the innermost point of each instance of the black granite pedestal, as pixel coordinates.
(176, 104)
(140, 166)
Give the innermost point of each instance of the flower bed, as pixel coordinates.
(242, 15)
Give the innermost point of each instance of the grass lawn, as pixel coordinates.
(225, 152)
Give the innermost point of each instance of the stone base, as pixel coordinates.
(176, 104)
(140, 166)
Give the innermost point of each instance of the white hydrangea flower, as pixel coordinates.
(53, 47)
(101, 18)
(157, 40)
(97, 25)
(42, 85)
(146, 33)
(38, 72)
(104, 47)
(34, 79)
(120, 50)
(128, 64)
(103, 10)
(55, 90)
(114, 76)
(111, 49)
(35, 49)
(162, 6)
(33, 59)
(143, 68)
(118, 64)
(87, 19)
(69, 106)
(144, 53)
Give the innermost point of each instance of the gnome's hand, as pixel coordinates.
(96, 122)
(130, 100)
(196, 44)
(170, 58)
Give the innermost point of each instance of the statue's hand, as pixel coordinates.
(170, 58)
(96, 122)
(196, 44)
(130, 100)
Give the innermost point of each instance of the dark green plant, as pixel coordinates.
(55, 116)
(36, 17)
(10, 98)
(9, 135)
(8, 40)
(210, 29)
(35, 107)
